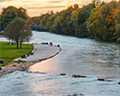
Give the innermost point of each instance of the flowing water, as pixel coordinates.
(94, 59)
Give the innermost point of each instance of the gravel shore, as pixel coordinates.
(41, 52)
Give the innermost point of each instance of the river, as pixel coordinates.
(81, 56)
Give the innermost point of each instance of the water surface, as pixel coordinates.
(88, 57)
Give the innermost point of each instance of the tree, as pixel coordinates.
(18, 31)
(0, 22)
(22, 13)
(96, 2)
(10, 13)
(26, 34)
(117, 21)
(101, 22)
(83, 14)
(90, 23)
(76, 6)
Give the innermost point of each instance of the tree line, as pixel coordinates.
(13, 23)
(97, 20)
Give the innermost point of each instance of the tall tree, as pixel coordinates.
(102, 22)
(18, 31)
(117, 21)
(10, 13)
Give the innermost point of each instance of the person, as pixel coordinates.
(58, 45)
(28, 54)
(1, 61)
(51, 43)
(31, 53)
(0, 69)
(23, 56)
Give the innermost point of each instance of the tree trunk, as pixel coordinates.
(12, 41)
(20, 44)
(17, 43)
(9, 41)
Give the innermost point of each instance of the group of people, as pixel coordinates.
(28, 54)
(46, 43)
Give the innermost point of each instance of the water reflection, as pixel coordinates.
(44, 67)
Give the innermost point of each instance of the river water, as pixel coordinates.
(94, 59)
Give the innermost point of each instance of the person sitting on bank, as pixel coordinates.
(28, 54)
(51, 43)
(58, 45)
(1, 61)
(23, 56)
(0, 69)
(31, 53)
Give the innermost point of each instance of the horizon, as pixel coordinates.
(34, 8)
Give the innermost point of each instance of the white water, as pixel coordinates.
(87, 57)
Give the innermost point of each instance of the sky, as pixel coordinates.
(38, 7)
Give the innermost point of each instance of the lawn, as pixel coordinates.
(9, 52)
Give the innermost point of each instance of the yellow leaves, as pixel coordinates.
(73, 14)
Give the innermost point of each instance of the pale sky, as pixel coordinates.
(37, 7)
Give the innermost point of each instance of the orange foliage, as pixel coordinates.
(93, 18)
(111, 28)
(110, 17)
(28, 21)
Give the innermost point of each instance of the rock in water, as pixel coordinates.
(118, 82)
(62, 74)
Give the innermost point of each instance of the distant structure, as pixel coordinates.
(37, 27)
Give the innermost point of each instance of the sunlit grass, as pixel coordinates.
(9, 52)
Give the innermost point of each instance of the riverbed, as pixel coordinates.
(81, 56)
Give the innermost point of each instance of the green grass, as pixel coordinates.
(9, 52)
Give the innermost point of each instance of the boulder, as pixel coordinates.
(101, 79)
(118, 82)
(78, 76)
(74, 76)
(81, 76)
(62, 74)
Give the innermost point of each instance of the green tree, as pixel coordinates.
(18, 31)
(10, 13)
(76, 6)
(117, 21)
(90, 23)
(101, 23)
(83, 14)
(22, 13)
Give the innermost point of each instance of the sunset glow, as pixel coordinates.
(37, 7)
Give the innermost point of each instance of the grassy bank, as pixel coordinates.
(9, 52)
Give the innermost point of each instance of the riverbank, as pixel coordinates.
(41, 52)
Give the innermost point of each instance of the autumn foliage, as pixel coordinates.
(99, 20)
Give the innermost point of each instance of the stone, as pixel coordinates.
(118, 82)
(81, 76)
(74, 76)
(101, 79)
(78, 76)
(62, 74)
